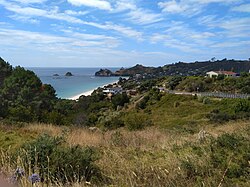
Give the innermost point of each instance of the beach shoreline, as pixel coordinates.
(88, 93)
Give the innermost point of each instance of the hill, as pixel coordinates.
(181, 68)
(200, 68)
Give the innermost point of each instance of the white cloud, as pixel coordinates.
(76, 13)
(25, 19)
(235, 27)
(231, 44)
(172, 6)
(180, 36)
(208, 20)
(72, 49)
(123, 5)
(55, 14)
(100, 4)
(189, 7)
(242, 8)
(136, 15)
(46, 42)
(28, 11)
(126, 31)
(30, 1)
(215, 1)
(141, 16)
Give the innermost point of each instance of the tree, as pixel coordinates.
(23, 89)
(120, 100)
(213, 59)
(5, 70)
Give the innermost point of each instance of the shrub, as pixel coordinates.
(232, 152)
(55, 117)
(200, 99)
(137, 121)
(120, 100)
(142, 104)
(217, 116)
(117, 138)
(176, 104)
(113, 122)
(243, 105)
(48, 157)
(189, 168)
(21, 114)
(206, 100)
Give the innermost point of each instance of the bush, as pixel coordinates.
(176, 104)
(117, 138)
(232, 152)
(112, 122)
(217, 116)
(48, 157)
(21, 114)
(243, 105)
(206, 101)
(142, 104)
(120, 100)
(55, 118)
(137, 121)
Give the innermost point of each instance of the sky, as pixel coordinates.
(122, 33)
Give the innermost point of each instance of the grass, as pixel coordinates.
(13, 139)
(151, 157)
(168, 153)
(189, 111)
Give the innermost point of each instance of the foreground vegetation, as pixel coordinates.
(151, 157)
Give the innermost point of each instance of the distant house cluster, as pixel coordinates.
(225, 73)
(115, 90)
(111, 91)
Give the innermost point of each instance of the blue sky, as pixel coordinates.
(115, 33)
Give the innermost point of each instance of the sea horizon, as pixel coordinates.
(68, 87)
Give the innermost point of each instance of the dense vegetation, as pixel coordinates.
(182, 69)
(200, 68)
(206, 84)
(148, 139)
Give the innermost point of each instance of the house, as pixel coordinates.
(162, 89)
(217, 73)
(115, 90)
(131, 92)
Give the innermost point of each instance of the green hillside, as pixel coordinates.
(148, 138)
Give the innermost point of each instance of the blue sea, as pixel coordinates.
(83, 80)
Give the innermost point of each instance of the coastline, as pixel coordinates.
(88, 93)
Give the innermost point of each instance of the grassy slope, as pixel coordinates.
(165, 156)
(182, 113)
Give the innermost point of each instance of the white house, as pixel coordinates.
(114, 90)
(217, 73)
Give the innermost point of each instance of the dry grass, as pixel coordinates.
(239, 127)
(150, 138)
(139, 158)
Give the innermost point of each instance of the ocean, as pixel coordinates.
(83, 80)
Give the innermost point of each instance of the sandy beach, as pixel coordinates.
(87, 93)
(84, 93)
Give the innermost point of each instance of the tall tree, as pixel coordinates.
(5, 70)
(24, 91)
